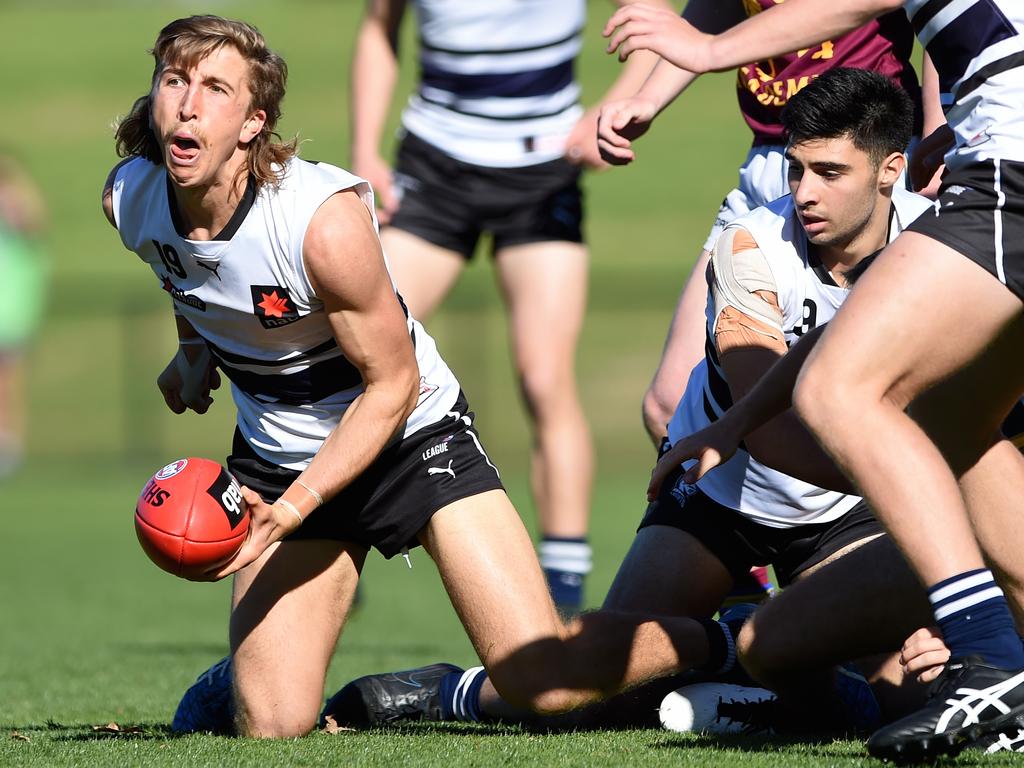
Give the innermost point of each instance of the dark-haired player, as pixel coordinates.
(936, 326)
(776, 274)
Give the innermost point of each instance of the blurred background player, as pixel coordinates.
(492, 142)
(22, 286)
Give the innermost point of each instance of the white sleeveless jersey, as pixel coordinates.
(808, 297)
(977, 47)
(497, 83)
(247, 294)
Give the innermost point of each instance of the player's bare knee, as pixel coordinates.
(812, 397)
(274, 723)
(546, 388)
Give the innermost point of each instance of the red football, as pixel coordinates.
(191, 517)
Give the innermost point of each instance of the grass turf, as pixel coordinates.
(90, 632)
(94, 634)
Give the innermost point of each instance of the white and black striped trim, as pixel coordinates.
(964, 593)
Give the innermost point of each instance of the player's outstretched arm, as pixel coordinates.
(345, 266)
(374, 73)
(772, 433)
(711, 446)
(770, 396)
(581, 147)
(787, 27)
(625, 116)
(622, 121)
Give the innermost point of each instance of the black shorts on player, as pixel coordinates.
(451, 203)
(387, 505)
(739, 543)
(980, 213)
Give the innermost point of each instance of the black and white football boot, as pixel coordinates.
(969, 700)
(1011, 741)
(391, 697)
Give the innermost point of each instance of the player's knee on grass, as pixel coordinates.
(270, 722)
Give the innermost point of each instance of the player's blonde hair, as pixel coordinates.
(183, 43)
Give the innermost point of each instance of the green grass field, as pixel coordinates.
(90, 632)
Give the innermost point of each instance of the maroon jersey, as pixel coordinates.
(883, 45)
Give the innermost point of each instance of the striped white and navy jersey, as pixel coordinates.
(497, 83)
(808, 296)
(247, 294)
(977, 47)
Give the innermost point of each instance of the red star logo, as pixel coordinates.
(273, 305)
(167, 284)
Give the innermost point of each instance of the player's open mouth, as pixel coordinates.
(812, 223)
(184, 149)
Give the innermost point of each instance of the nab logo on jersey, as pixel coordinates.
(273, 306)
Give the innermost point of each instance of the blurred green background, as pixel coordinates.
(90, 631)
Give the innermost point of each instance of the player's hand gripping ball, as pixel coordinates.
(191, 517)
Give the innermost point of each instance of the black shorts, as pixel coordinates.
(387, 505)
(451, 204)
(739, 543)
(980, 213)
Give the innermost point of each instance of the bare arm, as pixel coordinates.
(787, 27)
(762, 403)
(346, 268)
(190, 376)
(781, 441)
(374, 75)
(926, 161)
(627, 113)
(582, 146)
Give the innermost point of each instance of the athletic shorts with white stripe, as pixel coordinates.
(980, 213)
(387, 505)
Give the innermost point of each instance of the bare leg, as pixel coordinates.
(288, 609)
(487, 564)
(545, 288)
(884, 347)
(423, 272)
(864, 603)
(965, 434)
(668, 572)
(684, 348)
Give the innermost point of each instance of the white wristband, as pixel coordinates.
(291, 508)
(314, 494)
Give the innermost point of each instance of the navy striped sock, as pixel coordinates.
(566, 561)
(972, 613)
(460, 695)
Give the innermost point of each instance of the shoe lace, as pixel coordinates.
(754, 715)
